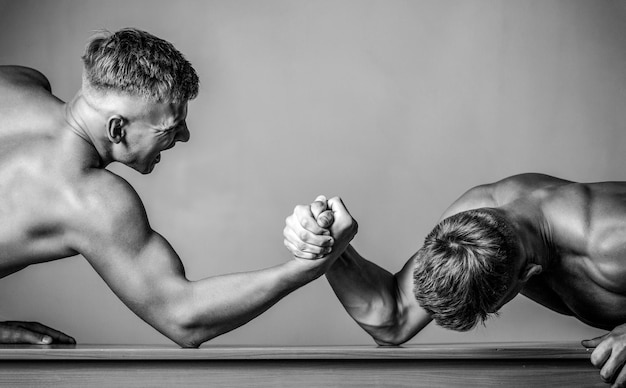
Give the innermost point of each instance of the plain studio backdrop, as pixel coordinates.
(396, 106)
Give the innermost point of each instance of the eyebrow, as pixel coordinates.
(171, 127)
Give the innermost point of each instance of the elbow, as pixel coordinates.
(390, 329)
(391, 342)
(389, 339)
(185, 330)
(186, 343)
(386, 333)
(187, 336)
(184, 337)
(384, 323)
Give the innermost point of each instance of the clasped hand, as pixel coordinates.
(321, 230)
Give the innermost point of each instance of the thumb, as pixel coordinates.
(592, 343)
(318, 206)
(319, 209)
(325, 219)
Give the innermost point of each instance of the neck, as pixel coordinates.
(530, 226)
(82, 118)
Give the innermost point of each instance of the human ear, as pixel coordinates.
(115, 128)
(530, 271)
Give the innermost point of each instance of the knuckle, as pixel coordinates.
(303, 235)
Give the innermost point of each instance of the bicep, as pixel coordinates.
(137, 263)
(414, 315)
(146, 275)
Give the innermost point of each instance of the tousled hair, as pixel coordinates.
(137, 63)
(464, 268)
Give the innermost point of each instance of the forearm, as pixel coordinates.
(370, 295)
(216, 305)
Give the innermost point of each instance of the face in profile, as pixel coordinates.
(159, 127)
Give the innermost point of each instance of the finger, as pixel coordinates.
(336, 205)
(592, 343)
(296, 233)
(56, 335)
(321, 198)
(620, 380)
(600, 355)
(326, 219)
(342, 216)
(20, 335)
(298, 253)
(318, 206)
(614, 363)
(306, 219)
(307, 247)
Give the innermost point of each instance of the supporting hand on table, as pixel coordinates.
(14, 332)
(609, 355)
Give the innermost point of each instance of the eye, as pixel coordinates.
(170, 131)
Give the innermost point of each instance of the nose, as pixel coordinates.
(182, 134)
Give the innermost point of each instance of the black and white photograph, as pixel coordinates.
(313, 193)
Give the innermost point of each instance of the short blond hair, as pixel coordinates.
(137, 63)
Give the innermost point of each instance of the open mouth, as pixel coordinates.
(158, 158)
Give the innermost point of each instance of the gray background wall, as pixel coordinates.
(397, 106)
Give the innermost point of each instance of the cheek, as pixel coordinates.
(163, 141)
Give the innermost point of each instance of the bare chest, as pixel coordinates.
(573, 287)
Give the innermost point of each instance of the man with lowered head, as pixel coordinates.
(558, 242)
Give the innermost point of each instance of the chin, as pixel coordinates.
(148, 170)
(143, 170)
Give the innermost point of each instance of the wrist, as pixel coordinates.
(344, 259)
(304, 270)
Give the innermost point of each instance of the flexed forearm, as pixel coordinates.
(376, 299)
(216, 305)
(367, 292)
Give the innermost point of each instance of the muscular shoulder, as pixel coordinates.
(24, 77)
(112, 211)
(521, 185)
(504, 191)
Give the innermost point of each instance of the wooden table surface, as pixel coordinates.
(428, 365)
